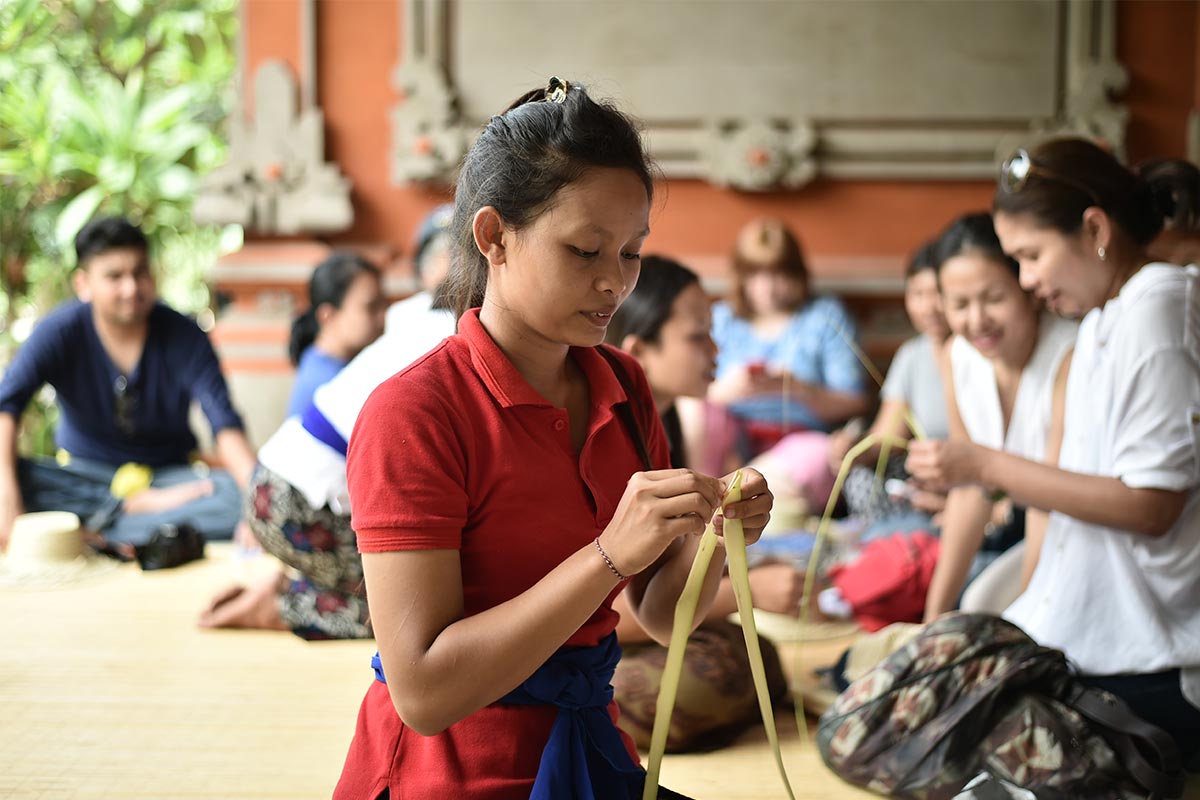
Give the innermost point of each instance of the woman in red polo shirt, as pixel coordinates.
(511, 482)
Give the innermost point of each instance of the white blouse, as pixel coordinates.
(1113, 601)
(978, 397)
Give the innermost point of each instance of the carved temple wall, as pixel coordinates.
(866, 125)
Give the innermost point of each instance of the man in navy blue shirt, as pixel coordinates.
(125, 369)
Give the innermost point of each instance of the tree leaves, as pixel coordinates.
(110, 107)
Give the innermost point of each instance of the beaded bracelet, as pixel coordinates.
(608, 561)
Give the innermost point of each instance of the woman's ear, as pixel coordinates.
(634, 345)
(488, 228)
(323, 312)
(1097, 229)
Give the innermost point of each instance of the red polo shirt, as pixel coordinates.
(459, 452)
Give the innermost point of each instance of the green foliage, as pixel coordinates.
(113, 107)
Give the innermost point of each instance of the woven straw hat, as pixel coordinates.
(46, 549)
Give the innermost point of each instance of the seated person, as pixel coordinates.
(786, 359)
(787, 367)
(345, 315)
(1008, 362)
(298, 507)
(914, 386)
(665, 323)
(125, 369)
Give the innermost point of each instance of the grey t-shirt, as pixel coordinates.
(915, 380)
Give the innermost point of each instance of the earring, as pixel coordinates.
(1101, 252)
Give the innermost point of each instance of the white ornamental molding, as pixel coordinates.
(759, 155)
(761, 95)
(1094, 78)
(276, 180)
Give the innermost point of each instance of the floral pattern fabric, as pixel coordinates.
(328, 600)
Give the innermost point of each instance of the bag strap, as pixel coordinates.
(1120, 727)
(625, 410)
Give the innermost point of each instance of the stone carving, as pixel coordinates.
(276, 180)
(890, 89)
(760, 154)
(428, 141)
(1094, 78)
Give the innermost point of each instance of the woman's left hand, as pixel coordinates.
(754, 509)
(943, 464)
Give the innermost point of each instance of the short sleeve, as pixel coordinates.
(839, 363)
(1157, 413)
(900, 382)
(406, 470)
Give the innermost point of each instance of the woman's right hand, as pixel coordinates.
(657, 508)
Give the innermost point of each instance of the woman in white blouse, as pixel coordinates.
(1117, 583)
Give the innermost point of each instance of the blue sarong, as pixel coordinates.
(584, 758)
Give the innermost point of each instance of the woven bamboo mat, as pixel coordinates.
(109, 690)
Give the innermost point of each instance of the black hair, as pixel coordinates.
(648, 307)
(330, 281)
(643, 315)
(107, 233)
(972, 233)
(924, 258)
(520, 161)
(1070, 175)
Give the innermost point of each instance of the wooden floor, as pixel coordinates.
(109, 690)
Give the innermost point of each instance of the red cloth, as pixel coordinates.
(459, 452)
(889, 580)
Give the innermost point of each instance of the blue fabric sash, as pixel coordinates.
(584, 758)
(313, 421)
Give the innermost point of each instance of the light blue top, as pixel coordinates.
(315, 369)
(814, 347)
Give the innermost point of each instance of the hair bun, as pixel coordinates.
(1174, 191)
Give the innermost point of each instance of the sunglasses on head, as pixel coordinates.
(1018, 168)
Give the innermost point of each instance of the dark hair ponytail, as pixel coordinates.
(521, 160)
(1175, 192)
(1070, 175)
(972, 233)
(330, 281)
(648, 307)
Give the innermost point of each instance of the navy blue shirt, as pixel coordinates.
(113, 418)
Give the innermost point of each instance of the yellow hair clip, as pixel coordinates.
(556, 90)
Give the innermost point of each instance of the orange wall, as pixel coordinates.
(1157, 42)
(875, 221)
(270, 30)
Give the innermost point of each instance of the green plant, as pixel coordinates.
(109, 107)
